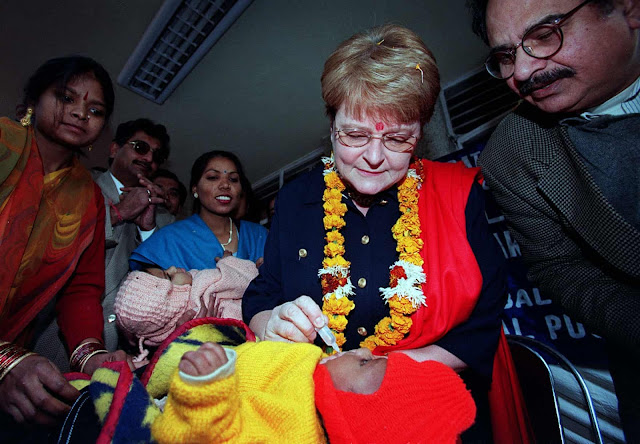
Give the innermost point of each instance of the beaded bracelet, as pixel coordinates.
(83, 353)
(10, 356)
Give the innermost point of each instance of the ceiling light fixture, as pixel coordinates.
(181, 33)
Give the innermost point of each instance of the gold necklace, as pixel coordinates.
(230, 234)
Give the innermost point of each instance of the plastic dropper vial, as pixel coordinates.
(327, 336)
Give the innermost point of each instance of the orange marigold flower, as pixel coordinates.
(342, 306)
(401, 323)
(409, 182)
(401, 305)
(337, 322)
(331, 194)
(383, 326)
(413, 258)
(334, 207)
(390, 337)
(409, 245)
(369, 343)
(405, 196)
(333, 250)
(335, 236)
(411, 222)
(335, 261)
(333, 181)
(333, 221)
(340, 339)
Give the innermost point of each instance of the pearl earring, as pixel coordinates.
(195, 195)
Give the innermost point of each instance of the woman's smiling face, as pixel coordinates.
(371, 168)
(219, 188)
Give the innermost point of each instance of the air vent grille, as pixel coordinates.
(477, 101)
(178, 37)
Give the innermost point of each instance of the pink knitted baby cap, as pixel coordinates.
(149, 307)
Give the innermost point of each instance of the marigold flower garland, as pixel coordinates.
(404, 294)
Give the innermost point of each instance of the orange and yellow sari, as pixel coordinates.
(46, 223)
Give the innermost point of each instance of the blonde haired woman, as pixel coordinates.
(391, 251)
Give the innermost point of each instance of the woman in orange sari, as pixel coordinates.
(51, 235)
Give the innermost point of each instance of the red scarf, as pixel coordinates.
(453, 276)
(453, 287)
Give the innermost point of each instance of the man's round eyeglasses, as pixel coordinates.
(141, 147)
(355, 138)
(539, 42)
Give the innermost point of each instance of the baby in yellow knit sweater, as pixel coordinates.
(273, 391)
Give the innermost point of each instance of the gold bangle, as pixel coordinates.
(79, 355)
(89, 356)
(17, 361)
(84, 344)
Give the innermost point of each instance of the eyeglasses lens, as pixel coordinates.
(141, 147)
(393, 142)
(540, 42)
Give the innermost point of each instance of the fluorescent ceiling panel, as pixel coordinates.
(181, 33)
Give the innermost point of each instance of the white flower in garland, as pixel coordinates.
(410, 287)
(338, 272)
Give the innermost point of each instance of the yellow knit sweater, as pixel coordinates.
(269, 399)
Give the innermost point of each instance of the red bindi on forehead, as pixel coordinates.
(379, 126)
(86, 95)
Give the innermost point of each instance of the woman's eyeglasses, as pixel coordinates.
(141, 147)
(356, 138)
(539, 42)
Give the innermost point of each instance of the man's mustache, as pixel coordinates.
(142, 163)
(546, 78)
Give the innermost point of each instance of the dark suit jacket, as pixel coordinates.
(120, 241)
(579, 250)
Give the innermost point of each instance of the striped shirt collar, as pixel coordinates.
(627, 102)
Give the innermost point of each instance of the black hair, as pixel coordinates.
(60, 71)
(182, 190)
(478, 10)
(199, 166)
(126, 130)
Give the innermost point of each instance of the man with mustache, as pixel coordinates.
(564, 165)
(139, 147)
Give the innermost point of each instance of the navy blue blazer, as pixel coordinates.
(294, 253)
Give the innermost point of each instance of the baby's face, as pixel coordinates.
(356, 371)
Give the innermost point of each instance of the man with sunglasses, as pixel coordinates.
(564, 166)
(131, 200)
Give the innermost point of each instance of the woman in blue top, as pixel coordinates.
(217, 183)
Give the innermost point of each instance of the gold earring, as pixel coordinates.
(195, 195)
(26, 120)
(90, 148)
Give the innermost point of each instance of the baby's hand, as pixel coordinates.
(179, 276)
(226, 253)
(157, 272)
(207, 359)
